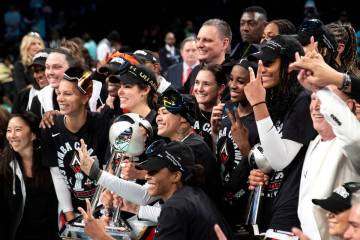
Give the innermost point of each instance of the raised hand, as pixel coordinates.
(239, 132)
(216, 115)
(86, 161)
(254, 90)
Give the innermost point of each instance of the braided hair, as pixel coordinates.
(346, 34)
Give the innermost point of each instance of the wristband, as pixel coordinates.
(95, 171)
(258, 103)
(346, 83)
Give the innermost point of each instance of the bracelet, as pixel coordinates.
(258, 103)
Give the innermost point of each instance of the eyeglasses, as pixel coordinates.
(311, 26)
(155, 148)
(84, 83)
(172, 101)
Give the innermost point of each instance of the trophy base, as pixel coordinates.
(76, 231)
(248, 232)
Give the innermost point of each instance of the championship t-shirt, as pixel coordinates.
(202, 127)
(234, 167)
(60, 150)
(283, 189)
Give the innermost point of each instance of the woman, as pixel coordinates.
(63, 138)
(281, 108)
(235, 136)
(276, 27)
(346, 58)
(209, 85)
(137, 91)
(187, 213)
(24, 98)
(27, 197)
(31, 43)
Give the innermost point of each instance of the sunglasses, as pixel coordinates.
(34, 34)
(84, 83)
(172, 101)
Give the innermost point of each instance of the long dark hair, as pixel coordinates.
(280, 98)
(8, 155)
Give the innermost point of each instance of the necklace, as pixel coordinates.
(202, 114)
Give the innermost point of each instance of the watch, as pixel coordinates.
(346, 83)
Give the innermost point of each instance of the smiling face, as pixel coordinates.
(39, 76)
(55, 67)
(338, 222)
(238, 78)
(131, 96)
(206, 89)
(211, 45)
(70, 100)
(19, 135)
(319, 122)
(271, 73)
(168, 123)
(161, 183)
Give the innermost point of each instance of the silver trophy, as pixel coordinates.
(127, 141)
(257, 160)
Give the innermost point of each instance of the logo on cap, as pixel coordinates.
(342, 192)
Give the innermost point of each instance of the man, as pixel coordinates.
(212, 41)
(152, 62)
(169, 54)
(338, 205)
(329, 159)
(177, 74)
(252, 24)
(353, 232)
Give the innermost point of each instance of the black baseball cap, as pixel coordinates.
(136, 75)
(145, 56)
(340, 199)
(40, 57)
(176, 103)
(176, 156)
(281, 45)
(315, 27)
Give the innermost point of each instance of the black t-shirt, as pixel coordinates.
(234, 168)
(205, 157)
(283, 188)
(189, 214)
(59, 150)
(202, 127)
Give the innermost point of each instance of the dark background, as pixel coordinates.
(131, 17)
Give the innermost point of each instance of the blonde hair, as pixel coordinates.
(26, 57)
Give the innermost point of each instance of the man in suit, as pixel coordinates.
(169, 54)
(177, 74)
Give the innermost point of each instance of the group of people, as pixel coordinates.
(278, 111)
